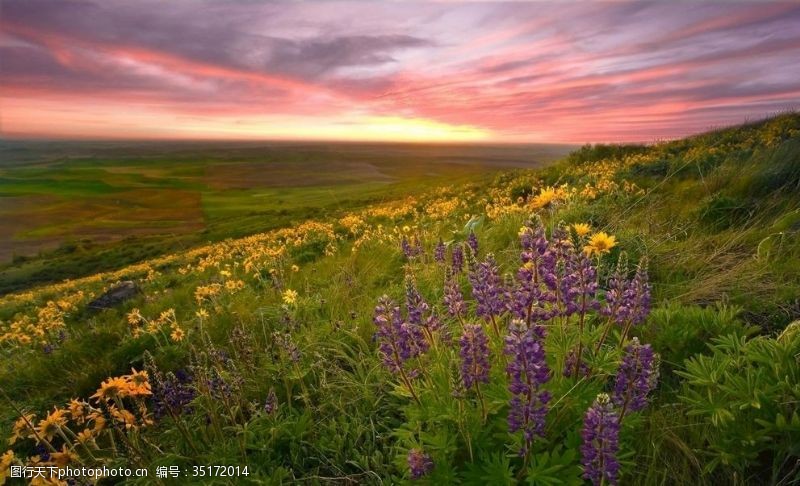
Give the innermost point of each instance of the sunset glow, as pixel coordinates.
(505, 72)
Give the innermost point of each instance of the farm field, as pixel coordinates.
(72, 208)
(628, 314)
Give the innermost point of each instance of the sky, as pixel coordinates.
(566, 72)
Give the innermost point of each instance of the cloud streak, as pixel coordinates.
(561, 72)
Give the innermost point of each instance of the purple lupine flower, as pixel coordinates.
(527, 371)
(218, 387)
(487, 288)
(420, 464)
(408, 250)
(399, 340)
(472, 242)
(569, 365)
(271, 403)
(419, 312)
(458, 258)
(415, 304)
(285, 342)
(474, 356)
(616, 300)
(528, 300)
(579, 285)
(453, 298)
(600, 442)
(171, 393)
(637, 295)
(636, 377)
(439, 251)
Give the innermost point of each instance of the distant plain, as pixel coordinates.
(67, 208)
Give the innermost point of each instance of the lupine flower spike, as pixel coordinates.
(600, 442)
(527, 372)
(488, 291)
(399, 341)
(637, 376)
(475, 360)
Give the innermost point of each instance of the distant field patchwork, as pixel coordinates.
(51, 192)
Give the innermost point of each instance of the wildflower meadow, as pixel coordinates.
(628, 315)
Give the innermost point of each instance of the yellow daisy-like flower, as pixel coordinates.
(600, 243)
(99, 423)
(49, 426)
(289, 297)
(66, 456)
(582, 229)
(295, 268)
(21, 426)
(6, 460)
(134, 317)
(77, 409)
(112, 388)
(85, 436)
(545, 197)
(139, 382)
(123, 416)
(177, 334)
(202, 314)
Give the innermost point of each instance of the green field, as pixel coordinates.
(68, 209)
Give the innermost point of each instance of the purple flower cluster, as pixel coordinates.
(638, 295)
(628, 301)
(487, 289)
(474, 356)
(600, 442)
(571, 362)
(420, 464)
(172, 393)
(472, 242)
(453, 298)
(457, 257)
(579, 285)
(439, 251)
(411, 248)
(271, 404)
(398, 340)
(419, 312)
(636, 377)
(527, 371)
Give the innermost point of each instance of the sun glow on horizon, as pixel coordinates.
(544, 72)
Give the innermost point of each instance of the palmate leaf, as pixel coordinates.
(554, 468)
(490, 469)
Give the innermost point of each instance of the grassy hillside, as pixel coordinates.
(71, 209)
(631, 306)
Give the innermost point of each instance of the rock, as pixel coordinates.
(115, 296)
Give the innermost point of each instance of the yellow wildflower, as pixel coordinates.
(582, 229)
(600, 243)
(87, 435)
(289, 297)
(116, 387)
(21, 426)
(49, 426)
(177, 334)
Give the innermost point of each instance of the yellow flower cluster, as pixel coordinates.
(39, 324)
(443, 208)
(79, 430)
